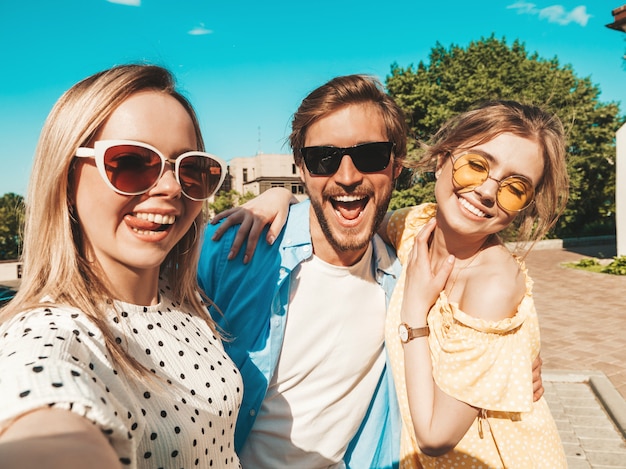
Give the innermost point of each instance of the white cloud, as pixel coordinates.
(199, 30)
(554, 14)
(524, 7)
(130, 3)
(579, 15)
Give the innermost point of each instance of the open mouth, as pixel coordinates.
(472, 209)
(349, 207)
(146, 223)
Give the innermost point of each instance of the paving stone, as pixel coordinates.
(582, 316)
(580, 312)
(582, 463)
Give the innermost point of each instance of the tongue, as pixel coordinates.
(350, 210)
(143, 225)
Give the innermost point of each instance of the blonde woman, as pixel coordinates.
(108, 356)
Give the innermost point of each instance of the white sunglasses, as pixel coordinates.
(132, 168)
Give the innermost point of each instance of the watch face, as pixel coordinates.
(403, 332)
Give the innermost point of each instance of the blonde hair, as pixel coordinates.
(484, 123)
(55, 268)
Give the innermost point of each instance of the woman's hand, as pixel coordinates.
(269, 208)
(423, 285)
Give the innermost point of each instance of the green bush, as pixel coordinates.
(587, 263)
(617, 267)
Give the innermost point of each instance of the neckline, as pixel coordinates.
(458, 272)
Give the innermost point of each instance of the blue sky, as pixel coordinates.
(246, 65)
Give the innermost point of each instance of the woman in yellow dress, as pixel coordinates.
(462, 330)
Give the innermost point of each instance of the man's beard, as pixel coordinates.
(353, 239)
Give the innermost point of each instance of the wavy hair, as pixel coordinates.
(341, 92)
(56, 270)
(492, 118)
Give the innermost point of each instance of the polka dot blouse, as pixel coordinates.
(184, 418)
(484, 363)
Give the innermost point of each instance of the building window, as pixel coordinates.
(293, 169)
(245, 175)
(277, 184)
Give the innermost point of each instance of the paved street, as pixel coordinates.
(583, 325)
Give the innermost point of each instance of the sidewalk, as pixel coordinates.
(583, 325)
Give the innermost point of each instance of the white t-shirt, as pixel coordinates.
(329, 367)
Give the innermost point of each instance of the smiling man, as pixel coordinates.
(305, 316)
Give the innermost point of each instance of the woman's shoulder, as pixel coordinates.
(417, 214)
(404, 225)
(496, 287)
(53, 319)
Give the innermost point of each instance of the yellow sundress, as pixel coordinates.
(486, 364)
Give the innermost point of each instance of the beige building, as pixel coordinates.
(261, 172)
(10, 273)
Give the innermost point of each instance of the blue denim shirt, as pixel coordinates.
(250, 307)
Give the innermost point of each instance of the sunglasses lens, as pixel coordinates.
(367, 158)
(515, 193)
(470, 170)
(371, 157)
(199, 176)
(322, 161)
(132, 169)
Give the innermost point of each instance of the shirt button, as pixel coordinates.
(252, 413)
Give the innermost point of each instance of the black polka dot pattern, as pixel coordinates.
(183, 416)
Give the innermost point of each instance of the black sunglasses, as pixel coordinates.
(366, 157)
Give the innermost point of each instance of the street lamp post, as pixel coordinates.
(619, 24)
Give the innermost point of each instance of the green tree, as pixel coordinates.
(457, 78)
(225, 200)
(11, 225)
(423, 190)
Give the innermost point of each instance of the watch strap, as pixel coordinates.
(416, 332)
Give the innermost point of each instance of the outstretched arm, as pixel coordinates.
(269, 208)
(55, 438)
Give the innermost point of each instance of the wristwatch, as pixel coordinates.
(407, 333)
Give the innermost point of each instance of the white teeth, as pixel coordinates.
(348, 198)
(471, 208)
(156, 218)
(145, 232)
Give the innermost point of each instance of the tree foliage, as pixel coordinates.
(457, 78)
(11, 225)
(225, 200)
(423, 190)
